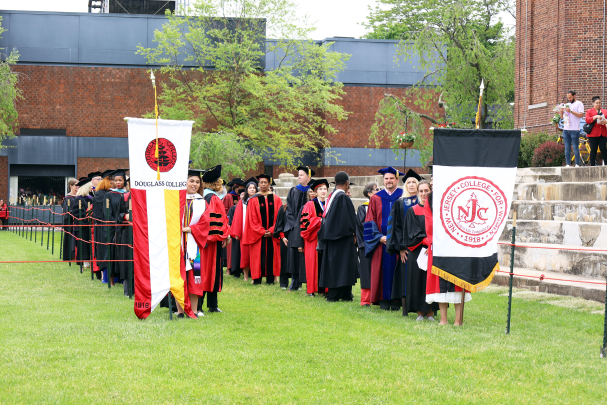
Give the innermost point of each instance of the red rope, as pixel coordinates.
(63, 261)
(542, 278)
(552, 248)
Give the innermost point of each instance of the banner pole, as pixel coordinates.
(511, 272)
(131, 278)
(170, 307)
(604, 348)
(109, 250)
(80, 222)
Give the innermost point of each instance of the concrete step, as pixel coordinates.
(583, 211)
(558, 232)
(564, 191)
(583, 287)
(565, 259)
(584, 174)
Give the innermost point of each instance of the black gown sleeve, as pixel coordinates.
(280, 223)
(396, 229)
(231, 212)
(360, 220)
(415, 229)
(340, 221)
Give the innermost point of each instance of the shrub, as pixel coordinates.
(549, 154)
(529, 143)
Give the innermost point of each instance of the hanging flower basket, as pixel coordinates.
(404, 140)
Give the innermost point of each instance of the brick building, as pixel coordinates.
(80, 77)
(559, 46)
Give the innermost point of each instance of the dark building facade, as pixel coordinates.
(80, 76)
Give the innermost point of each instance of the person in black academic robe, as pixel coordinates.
(69, 242)
(364, 263)
(235, 269)
(297, 198)
(279, 233)
(81, 217)
(337, 240)
(406, 238)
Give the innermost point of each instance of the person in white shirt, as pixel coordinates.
(571, 131)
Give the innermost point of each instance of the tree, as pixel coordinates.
(9, 93)
(457, 43)
(278, 112)
(222, 148)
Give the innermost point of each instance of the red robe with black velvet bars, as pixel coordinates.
(311, 218)
(264, 253)
(218, 231)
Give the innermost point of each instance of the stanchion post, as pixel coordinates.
(32, 221)
(80, 233)
(69, 236)
(109, 250)
(53, 212)
(19, 215)
(511, 272)
(62, 232)
(35, 221)
(42, 227)
(131, 279)
(170, 307)
(88, 221)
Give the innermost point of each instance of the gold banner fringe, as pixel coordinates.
(464, 284)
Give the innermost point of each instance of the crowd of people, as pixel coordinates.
(316, 238)
(595, 128)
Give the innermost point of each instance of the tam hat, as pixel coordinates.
(93, 175)
(390, 169)
(212, 174)
(319, 182)
(411, 173)
(265, 176)
(307, 170)
(196, 172)
(251, 180)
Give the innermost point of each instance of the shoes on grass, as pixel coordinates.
(419, 318)
(180, 316)
(431, 318)
(215, 310)
(199, 314)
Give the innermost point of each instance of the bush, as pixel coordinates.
(529, 143)
(549, 154)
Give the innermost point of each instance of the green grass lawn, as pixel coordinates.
(67, 339)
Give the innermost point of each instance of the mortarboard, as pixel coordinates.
(251, 180)
(83, 181)
(93, 175)
(120, 172)
(411, 173)
(212, 174)
(107, 173)
(196, 172)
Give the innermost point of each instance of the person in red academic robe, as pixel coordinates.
(311, 218)
(211, 270)
(195, 232)
(375, 232)
(239, 225)
(438, 289)
(230, 200)
(264, 249)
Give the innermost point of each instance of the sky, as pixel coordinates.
(331, 18)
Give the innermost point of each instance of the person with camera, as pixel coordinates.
(597, 137)
(572, 114)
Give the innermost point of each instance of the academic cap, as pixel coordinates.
(212, 174)
(251, 180)
(196, 172)
(319, 182)
(265, 176)
(107, 173)
(121, 172)
(83, 181)
(390, 169)
(307, 170)
(93, 175)
(82, 178)
(411, 173)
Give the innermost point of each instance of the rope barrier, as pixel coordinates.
(551, 248)
(542, 278)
